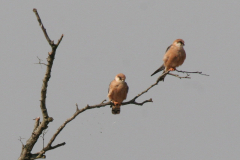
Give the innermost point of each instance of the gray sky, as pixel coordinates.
(195, 118)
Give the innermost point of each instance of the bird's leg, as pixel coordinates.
(116, 103)
(111, 102)
(172, 69)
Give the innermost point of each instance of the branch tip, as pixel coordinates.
(50, 119)
(192, 72)
(77, 107)
(104, 101)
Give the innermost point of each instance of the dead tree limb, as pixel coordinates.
(26, 152)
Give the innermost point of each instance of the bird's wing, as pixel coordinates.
(162, 67)
(168, 48)
(111, 89)
(126, 88)
(159, 69)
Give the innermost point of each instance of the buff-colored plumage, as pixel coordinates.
(174, 57)
(117, 92)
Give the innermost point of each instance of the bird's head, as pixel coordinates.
(120, 77)
(179, 42)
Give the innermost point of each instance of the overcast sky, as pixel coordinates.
(195, 118)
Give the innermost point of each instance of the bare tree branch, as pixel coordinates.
(43, 134)
(104, 100)
(176, 75)
(192, 72)
(41, 25)
(26, 152)
(59, 41)
(77, 107)
(40, 62)
(161, 78)
(58, 145)
(20, 139)
(37, 156)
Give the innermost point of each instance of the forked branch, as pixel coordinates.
(38, 129)
(160, 78)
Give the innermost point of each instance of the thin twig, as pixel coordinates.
(43, 134)
(59, 41)
(176, 75)
(40, 62)
(58, 145)
(77, 107)
(20, 139)
(43, 29)
(192, 72)
(103, 101)
(161, 78)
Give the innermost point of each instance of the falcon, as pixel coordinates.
(174, 57)
(117, 92)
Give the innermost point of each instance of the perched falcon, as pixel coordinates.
(117, 92)
(174, 57)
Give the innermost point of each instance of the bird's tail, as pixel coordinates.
(159, 69)
(116, 108)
